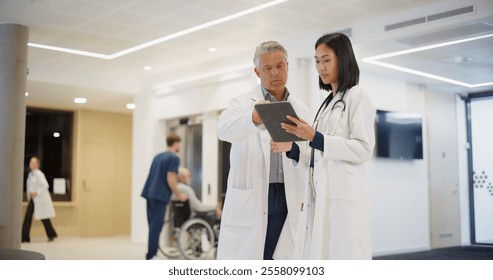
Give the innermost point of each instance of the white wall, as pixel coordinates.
(399, 190)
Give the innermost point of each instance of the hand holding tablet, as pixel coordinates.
(272, 115)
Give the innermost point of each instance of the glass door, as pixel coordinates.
(480, 115)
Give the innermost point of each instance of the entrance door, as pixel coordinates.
(481, 177)
(98, 191)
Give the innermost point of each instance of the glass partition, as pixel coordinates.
(481, 167)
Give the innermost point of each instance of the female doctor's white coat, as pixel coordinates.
(43, 205)
(334, 223)
(244, 217)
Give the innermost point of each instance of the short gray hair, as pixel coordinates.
(268, 47)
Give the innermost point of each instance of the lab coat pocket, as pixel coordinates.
(240, 209)
(342, 178)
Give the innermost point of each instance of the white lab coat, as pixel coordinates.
(336, 224)
(43, 205)
(244, 218)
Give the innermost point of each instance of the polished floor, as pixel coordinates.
(120, 248)
(475, 252)
(77, 248)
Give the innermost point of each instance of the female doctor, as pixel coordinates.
(335, 211)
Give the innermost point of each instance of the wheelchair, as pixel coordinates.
(192, 237)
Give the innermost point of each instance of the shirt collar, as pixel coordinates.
(266, 93)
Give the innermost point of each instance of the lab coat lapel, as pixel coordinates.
(257, 96)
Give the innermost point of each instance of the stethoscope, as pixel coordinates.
(339, 103)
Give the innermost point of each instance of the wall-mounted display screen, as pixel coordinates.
(399, 135)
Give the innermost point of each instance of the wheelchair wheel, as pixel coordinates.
(196, 239)
(169, 248)
(170, 252)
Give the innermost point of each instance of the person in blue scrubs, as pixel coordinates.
(160, 184)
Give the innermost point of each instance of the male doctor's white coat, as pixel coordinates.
(244, 218)
(334, 223)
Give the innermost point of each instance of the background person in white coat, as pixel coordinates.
(40, 203)
(335, 213)
(264, 188)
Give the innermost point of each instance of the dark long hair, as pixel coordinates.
(348, 66)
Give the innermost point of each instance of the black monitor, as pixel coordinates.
(399, 135)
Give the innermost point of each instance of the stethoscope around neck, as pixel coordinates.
(339, 103)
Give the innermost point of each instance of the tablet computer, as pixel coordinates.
(272, 115)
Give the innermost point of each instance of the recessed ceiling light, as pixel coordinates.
(212, 49)
(147, 68)
(80, 100)
(164, 38)
(27, 93)
(375, 60)
(130, 106)
(56, 134)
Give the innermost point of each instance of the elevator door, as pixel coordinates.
(190, 153)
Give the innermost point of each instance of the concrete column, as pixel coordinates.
(13, 75)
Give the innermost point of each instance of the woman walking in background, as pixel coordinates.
(40, 203)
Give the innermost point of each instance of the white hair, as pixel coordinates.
(268, 47)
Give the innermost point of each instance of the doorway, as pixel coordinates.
(98, 189)
(190, 131)
(480, 136)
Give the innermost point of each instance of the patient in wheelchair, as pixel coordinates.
(210, 213)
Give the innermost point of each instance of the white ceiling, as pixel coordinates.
(109, 26)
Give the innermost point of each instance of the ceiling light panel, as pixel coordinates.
(434, 61)
(168, 37)
(76, 40)
(437, 61)
(154, 30)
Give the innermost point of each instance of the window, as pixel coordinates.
(49, 137)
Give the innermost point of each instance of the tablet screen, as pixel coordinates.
(272, 115)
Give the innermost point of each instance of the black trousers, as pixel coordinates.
(28, 219)
(278, 210)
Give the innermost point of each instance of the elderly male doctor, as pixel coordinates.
(264, 188)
